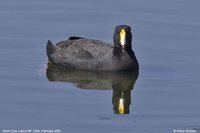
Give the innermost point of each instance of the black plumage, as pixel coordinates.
(90, 54)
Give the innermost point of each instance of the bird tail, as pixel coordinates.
(50, 48)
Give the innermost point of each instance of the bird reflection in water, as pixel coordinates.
(122, 83)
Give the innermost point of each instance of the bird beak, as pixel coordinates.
(123, 38)
(121, 106)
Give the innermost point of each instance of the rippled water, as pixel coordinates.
(166, 36)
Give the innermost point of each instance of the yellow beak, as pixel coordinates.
(123, 37)
(121, 106)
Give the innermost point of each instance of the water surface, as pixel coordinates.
(166, 36)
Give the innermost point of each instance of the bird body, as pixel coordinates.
(90, 54)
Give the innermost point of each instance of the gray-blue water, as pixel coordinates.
(166, 37)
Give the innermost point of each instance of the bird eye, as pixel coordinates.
(128, 29)
(117, 30)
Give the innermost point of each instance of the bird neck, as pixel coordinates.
(117, 50)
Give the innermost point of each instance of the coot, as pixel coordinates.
(89, 54)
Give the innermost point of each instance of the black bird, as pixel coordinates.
(89, 54)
